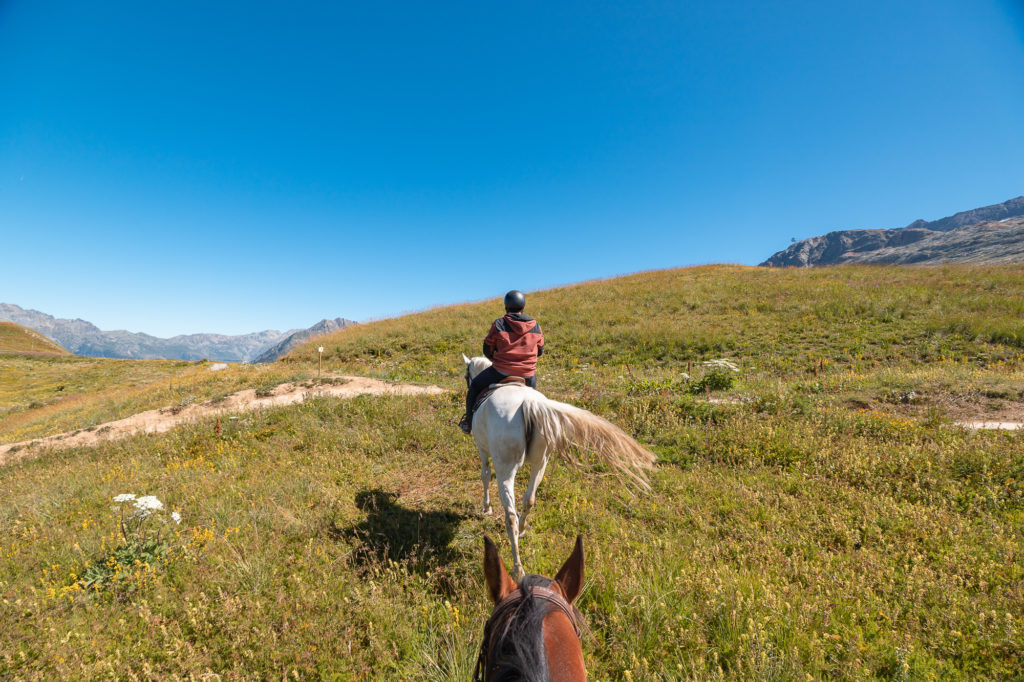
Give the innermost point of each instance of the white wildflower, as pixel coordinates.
(176, 516)
(124, 497)
(145, 506)
(722, 363)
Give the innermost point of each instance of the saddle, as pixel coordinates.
(486, 393)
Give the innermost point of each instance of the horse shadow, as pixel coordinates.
(418, 540)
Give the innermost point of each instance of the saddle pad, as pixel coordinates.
(486, 393)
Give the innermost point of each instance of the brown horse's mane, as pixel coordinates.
(513, 646)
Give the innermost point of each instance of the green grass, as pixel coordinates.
(781, 324)
(17, 339)
(816, 525)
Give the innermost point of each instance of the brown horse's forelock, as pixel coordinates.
(516, 650)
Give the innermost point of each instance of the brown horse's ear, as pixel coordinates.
(498, 581)
(570, 575)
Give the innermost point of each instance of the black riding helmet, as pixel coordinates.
(515, 301)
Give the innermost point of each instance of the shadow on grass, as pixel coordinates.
(419, 540)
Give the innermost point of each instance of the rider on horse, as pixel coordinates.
(513, 345)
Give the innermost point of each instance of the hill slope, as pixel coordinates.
(44, 395)
(992, 234)
(16, 338)
(819, 519)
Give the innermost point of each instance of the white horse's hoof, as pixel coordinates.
(519, 572)
(486, 511)
(522, 533)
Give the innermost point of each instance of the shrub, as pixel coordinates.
(719, 375)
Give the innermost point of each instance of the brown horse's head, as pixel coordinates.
(534, 631)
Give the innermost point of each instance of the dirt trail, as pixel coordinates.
(166, 418)
(991, 425)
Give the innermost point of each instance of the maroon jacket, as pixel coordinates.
(514, 344)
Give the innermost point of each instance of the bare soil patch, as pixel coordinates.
(973, 411)
(166, 418)
(989, 425)
(981, 408)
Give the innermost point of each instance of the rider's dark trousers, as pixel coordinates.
(483, 380)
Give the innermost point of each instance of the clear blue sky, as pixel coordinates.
(178, 167)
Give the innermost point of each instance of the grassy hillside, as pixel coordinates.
(821, 518)
(779, 323)
(15, 338)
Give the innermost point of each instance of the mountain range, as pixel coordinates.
(990, 234)
(84, 338)
(300, 337)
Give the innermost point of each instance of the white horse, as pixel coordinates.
(517, 424)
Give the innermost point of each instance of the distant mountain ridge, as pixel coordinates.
(84, 338)
(300, 337)
(990, 234)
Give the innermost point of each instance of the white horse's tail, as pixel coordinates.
(562, 425)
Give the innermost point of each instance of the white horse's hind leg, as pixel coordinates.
(485, 478)
(538, 463)
(508, 501)
(483, 447)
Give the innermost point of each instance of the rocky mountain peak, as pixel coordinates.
(979, 235)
